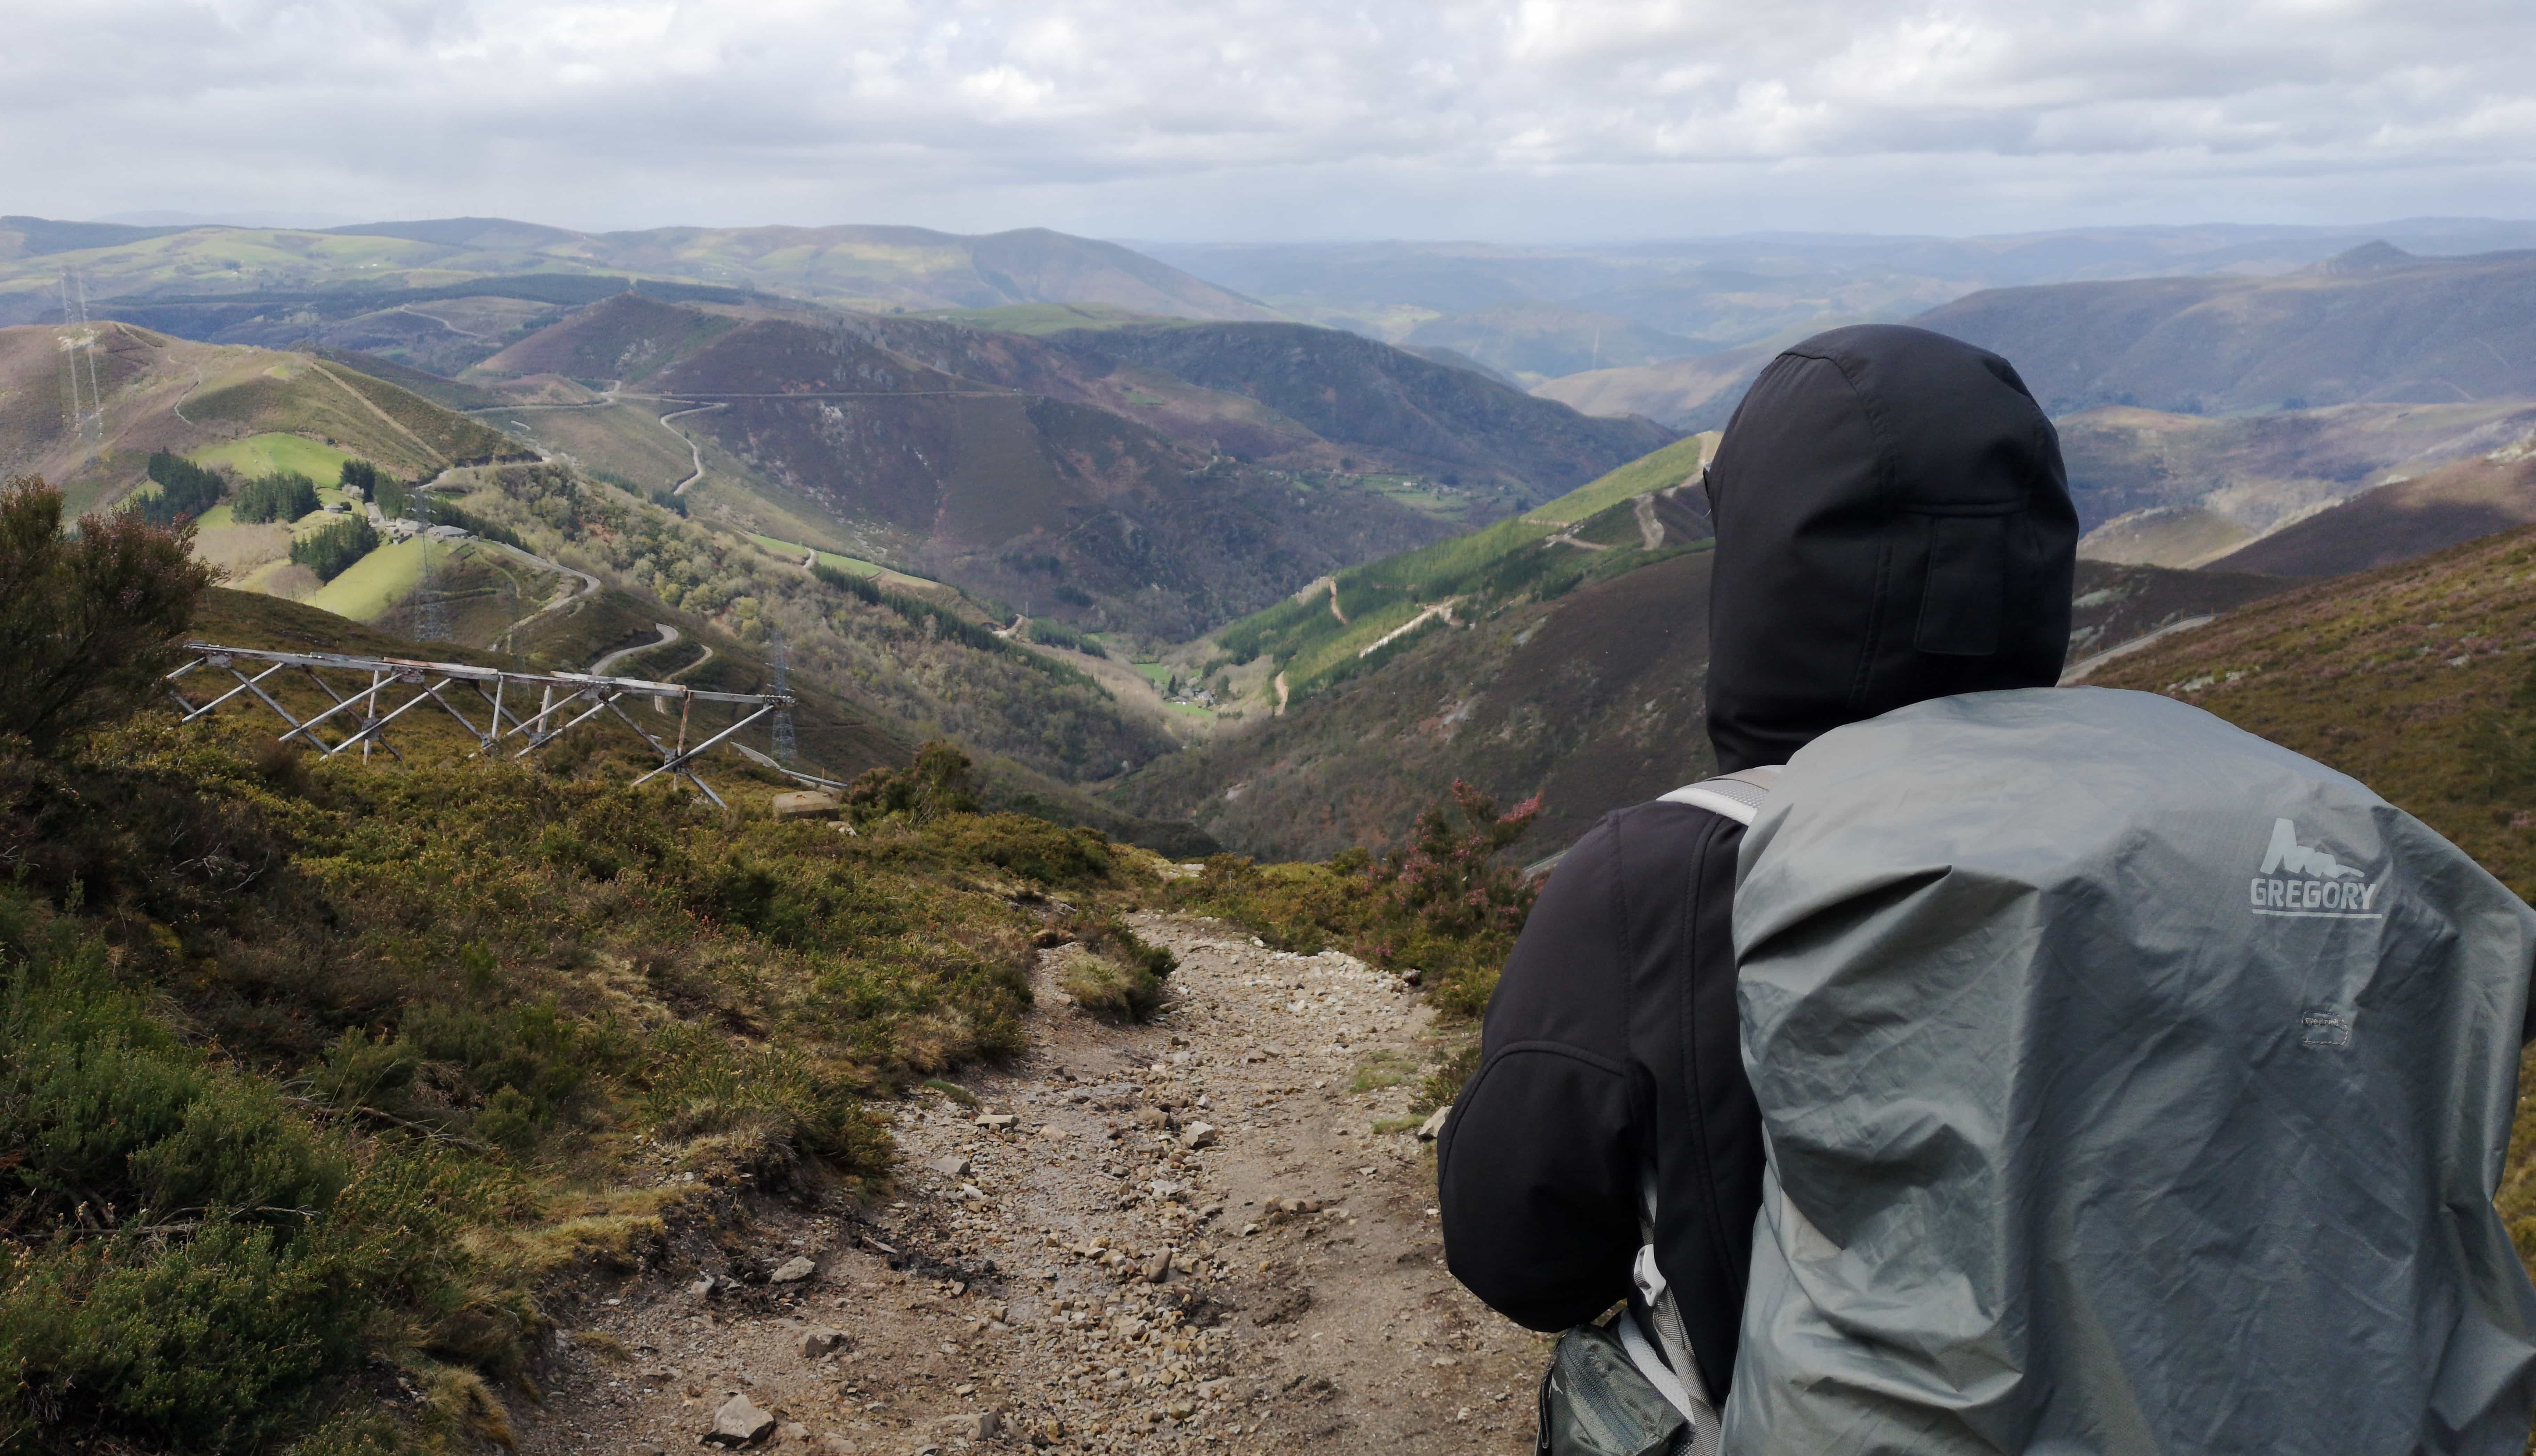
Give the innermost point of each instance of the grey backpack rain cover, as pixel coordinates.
(2131, 1084)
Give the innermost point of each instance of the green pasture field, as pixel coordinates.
(266, 454)
(379, 581)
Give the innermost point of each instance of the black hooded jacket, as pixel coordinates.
(1893, 525)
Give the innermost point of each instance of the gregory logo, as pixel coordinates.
(2296, 879)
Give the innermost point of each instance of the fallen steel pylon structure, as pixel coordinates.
(560, 700)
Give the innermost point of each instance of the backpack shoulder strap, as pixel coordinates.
(1737, 795)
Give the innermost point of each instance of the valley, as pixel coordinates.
(1193, 698)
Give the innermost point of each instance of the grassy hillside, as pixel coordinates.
(1676, 465)
(1334, 629)
(1589, 696)
(162, 393)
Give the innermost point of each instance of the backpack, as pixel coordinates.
(2128, 1084)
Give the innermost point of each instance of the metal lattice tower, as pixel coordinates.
(430, 616)
(786, 750)
(82, 401)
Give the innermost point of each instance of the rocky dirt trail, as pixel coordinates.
(1211, 1233)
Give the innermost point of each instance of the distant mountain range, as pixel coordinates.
(1505, 305)
(871, 268)
(1531, 313)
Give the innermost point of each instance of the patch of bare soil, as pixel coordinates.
(1211, 1233)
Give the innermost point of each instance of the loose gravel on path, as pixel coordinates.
(1213, 1232)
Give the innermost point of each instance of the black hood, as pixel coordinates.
(1893, 525)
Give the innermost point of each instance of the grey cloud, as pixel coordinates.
(1525, 118)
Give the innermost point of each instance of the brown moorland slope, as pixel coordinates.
(2400, 520)
(1064, 476)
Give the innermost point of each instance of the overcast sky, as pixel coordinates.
(1521, 120)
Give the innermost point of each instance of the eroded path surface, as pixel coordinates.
(1214, 1233)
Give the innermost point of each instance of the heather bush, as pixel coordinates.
(1446, 906)
(216, 1259)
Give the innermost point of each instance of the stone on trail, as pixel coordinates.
(950, 1166)
(793, 1271)
(975, 1425)
(1433, 1127)
(1158, 1268)
(816, 1343)
(997, 1122)
(737, 1423)
(1198, 1135)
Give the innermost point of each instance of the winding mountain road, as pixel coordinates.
(694, 450)
(600, 668)
(589, 588)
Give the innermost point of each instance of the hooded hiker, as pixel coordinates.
(2127, 1083)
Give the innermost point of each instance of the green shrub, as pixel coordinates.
(332, 548)
(87, 623)
(940, 781)
(285, 496)
(1444, 906)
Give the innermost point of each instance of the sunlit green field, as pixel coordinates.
(379, 581)
(266, 454)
